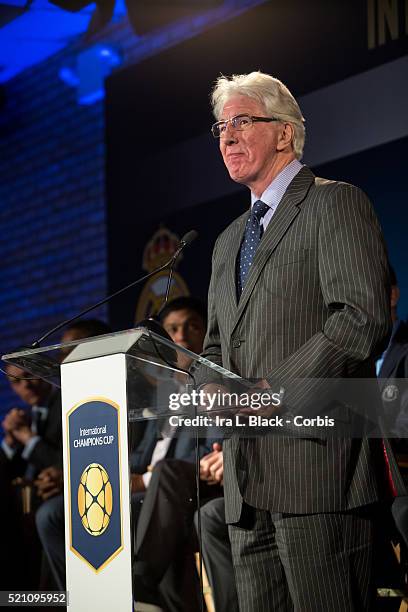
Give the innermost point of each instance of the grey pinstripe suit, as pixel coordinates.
(315, 305)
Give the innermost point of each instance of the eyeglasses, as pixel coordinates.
(239, 122)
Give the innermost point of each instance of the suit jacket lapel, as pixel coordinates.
(287, 211)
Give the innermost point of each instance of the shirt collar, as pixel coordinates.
(274, 192)
(42, 411)
(42, 408)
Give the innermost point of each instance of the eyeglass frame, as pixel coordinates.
(253, 118)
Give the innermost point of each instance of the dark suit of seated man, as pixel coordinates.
(32, 442)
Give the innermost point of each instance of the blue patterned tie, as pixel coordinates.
(252, 237)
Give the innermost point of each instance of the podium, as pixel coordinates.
(109, 385)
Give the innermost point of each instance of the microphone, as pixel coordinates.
(188, 238)
(185, 241)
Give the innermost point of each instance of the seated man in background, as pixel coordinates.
(185, 320)
(32, 442)
(32, 437)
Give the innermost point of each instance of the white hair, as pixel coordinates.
(274, 96)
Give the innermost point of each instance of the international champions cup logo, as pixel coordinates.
(94, 482)
(95, 500)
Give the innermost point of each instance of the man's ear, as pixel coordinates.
(285, 137)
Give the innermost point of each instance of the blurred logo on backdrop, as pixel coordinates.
(162, 245)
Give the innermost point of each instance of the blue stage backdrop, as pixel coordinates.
(346, 64)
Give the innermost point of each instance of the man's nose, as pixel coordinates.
(231, 139)
(230, 135)
(179, 335)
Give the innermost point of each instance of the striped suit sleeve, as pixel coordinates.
(353, 273)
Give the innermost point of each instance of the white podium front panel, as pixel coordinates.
(96, 485)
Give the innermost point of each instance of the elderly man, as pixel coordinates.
(299, 289)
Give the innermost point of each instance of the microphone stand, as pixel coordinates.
(185, 241)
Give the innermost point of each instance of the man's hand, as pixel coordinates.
(7, 426)
(14, 420)
(212, 466)
(21, 431)
(49, 482)
(137, 483)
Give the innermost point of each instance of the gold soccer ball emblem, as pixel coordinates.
(95, 499)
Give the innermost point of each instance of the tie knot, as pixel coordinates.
(259, 209)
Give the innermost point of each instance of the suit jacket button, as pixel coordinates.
(236, 343)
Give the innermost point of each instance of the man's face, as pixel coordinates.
(249, 155)
(186, 327)
(33, 392)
